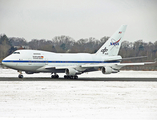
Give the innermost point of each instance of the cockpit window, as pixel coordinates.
(16, 52)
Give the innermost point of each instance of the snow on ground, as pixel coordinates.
(78, 99)
(97, 74)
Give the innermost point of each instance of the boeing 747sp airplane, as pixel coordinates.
(105, 59)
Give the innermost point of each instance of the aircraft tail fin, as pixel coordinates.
(112, 45)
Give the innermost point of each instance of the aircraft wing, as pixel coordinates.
(99, 65)
(117, 65)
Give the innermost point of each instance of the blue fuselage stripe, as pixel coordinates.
(28, 61)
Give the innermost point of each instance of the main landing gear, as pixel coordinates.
(55, 76)
(70, 77)
(20, 75)
(65, 76)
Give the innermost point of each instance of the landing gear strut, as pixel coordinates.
(20, 75)
(70, 77)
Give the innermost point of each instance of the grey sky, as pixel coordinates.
(45, 19)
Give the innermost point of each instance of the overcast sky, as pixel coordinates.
(45, 19)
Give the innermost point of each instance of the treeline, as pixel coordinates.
(62, 44)
(59, 44)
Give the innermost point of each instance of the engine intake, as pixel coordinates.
(106, 70)
(71, 71)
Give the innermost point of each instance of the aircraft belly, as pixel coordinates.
(25, 66)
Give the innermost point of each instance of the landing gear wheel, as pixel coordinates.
(52, 76)
(76, 77)
(20, 76)
(65, 76)
(70, 77)
(57, 76)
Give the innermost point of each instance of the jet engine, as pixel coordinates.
(27, 72)
(71, 71)
(106, 70)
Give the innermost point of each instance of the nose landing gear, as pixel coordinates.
(20, 75)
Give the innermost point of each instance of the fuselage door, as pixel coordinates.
(46, 61)
(29, 61)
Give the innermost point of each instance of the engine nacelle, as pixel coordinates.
(106, 70)
(71, 71)
(27, 72)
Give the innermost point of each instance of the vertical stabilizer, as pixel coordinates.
(112, 45)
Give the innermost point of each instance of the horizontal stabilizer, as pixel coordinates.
(134, 58)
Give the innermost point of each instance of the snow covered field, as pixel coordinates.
(79, 99)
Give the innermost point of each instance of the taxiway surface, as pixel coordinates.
(80, 79)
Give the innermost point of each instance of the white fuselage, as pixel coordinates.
(37, 61)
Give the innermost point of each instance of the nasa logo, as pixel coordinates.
(104, 50)
(114, 42)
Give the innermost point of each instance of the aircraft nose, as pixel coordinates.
(3, 62)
